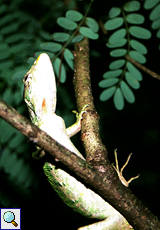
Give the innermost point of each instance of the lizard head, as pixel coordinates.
(40, 88)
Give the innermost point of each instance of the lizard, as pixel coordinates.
(40, 98)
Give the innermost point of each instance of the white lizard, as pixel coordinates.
(40, 97)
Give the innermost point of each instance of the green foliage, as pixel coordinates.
(20, 36)
(60, 36)
(106, 94)
(69, 23)
(74, 15)
(117, 36)
(150, 4)
(114, 12)
(77, 38)
(135, 18)
(125, 23)
(140, 32)
(88, 32)
(56, 66)
(117, 64)
(154, 14)
(127, 92)
(51, 46)
(118, 52)
(16, 170)
(118, 99)
(68, 55)
(134, 71)
(108, 82)
(114, 23)
(66, 23)
(131, 6)
(138, 46)
(92, 24)
(131, 80)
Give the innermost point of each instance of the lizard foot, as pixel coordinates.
(79, 115)
(120, 175)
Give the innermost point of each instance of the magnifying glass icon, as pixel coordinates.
(9, 217)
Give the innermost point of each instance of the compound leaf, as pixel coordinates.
(66, 23)
(132, 81)
(135, 18)
(88, 33)
(138, 46)
(78, 38)
(114, 12)
(113, 23)
(118, 52)
(150, 3)
(11, 28)
(116, 36)
(108, 82)
(117, 64)
(106, 94)
(68, 55)
(156, 24)
(74, 15)
(51, 46)
(155, 13)
(132, 6)
(137, 56)
(14, 38)
(8, 132)
(140, 32)
(56, 66)
(134, 71)
(60, 36)
(127, 92)
(119, 43)
(118, 99)
(16, 140)
(91, 22)
(112, 73)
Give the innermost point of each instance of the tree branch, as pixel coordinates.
(106, 184)
(102, 177)
(142, 67)
(95, 150)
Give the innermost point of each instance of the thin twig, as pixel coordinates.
(150, 72)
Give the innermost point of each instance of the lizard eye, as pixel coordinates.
(26, 78)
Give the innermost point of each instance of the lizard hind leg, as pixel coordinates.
(119, 172)
(38, 153)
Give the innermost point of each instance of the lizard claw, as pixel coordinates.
(82, 111)
(79, 115)
(119, 172)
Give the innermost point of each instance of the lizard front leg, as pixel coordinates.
(76, 127)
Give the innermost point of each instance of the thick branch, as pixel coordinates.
(106, 184)
(96, 153)
(95, 150)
